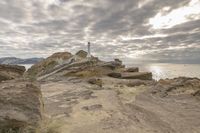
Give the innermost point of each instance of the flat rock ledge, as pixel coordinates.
(132, 75)
(137, 75)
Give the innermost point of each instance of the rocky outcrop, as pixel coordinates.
(138, 82)
(137, 75)
(132, 75)
(115, 75)
(8, 72)
(21, 106)
(132, 69)
(68, 65)
(96, 81)
(113, 64)
(177, 86)
(48, 64)
(82, 54)
(171, 105)
(125, 105)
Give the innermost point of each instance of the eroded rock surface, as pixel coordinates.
(137, 75)
(48, 64)
(8, 72)
(124, 105)
(21, 106)
(86, 95)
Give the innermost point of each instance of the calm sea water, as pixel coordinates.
(27, 66)
(164, 70)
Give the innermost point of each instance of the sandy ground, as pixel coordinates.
(114, 108)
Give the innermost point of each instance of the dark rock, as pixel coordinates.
(115, 75)
(96, 81)
(118, 60)
(113, 65)
(138, 82)
(197, 94)
(92, 107)
(132, 69)
(82, 54)
(137, 75)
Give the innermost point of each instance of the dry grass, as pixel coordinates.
(51, 126)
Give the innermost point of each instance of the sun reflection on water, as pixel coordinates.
(157, 72)
(164, 70)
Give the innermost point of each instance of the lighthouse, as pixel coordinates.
(89, 52)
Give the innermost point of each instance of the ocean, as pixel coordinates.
(27, 66)
(164, 70)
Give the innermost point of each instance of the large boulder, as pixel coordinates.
(21, 106)
(8, 72)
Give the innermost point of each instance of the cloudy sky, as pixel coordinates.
(132, 30)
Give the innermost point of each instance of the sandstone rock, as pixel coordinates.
(118, 60)
(177, 86)
(132, 69)
(138, 82)
(8, 72)
(48, 64)
(82, 54)
(20, 106)
(93, 107)
(197, 94)
(137, 75)
(96, 81)
(112, 65)
(115, 75)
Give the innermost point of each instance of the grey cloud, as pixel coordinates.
(45, 28)
(185, 27)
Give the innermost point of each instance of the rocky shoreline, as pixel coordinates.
(68, 93)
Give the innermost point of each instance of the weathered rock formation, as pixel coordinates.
(95, 95)
(132, 75)
(48, 64)
(96, 81)
(177, 86)
(21, 106)
(132, 69)
(137, 75)
(8, 72)
(124, 105)
(82, 54)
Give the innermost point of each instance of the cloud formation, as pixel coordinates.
(146, 30)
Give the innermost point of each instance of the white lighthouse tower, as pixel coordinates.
(89, 52)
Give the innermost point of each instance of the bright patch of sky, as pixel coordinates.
(177, 16)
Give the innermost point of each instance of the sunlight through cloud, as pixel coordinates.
(177, 16)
